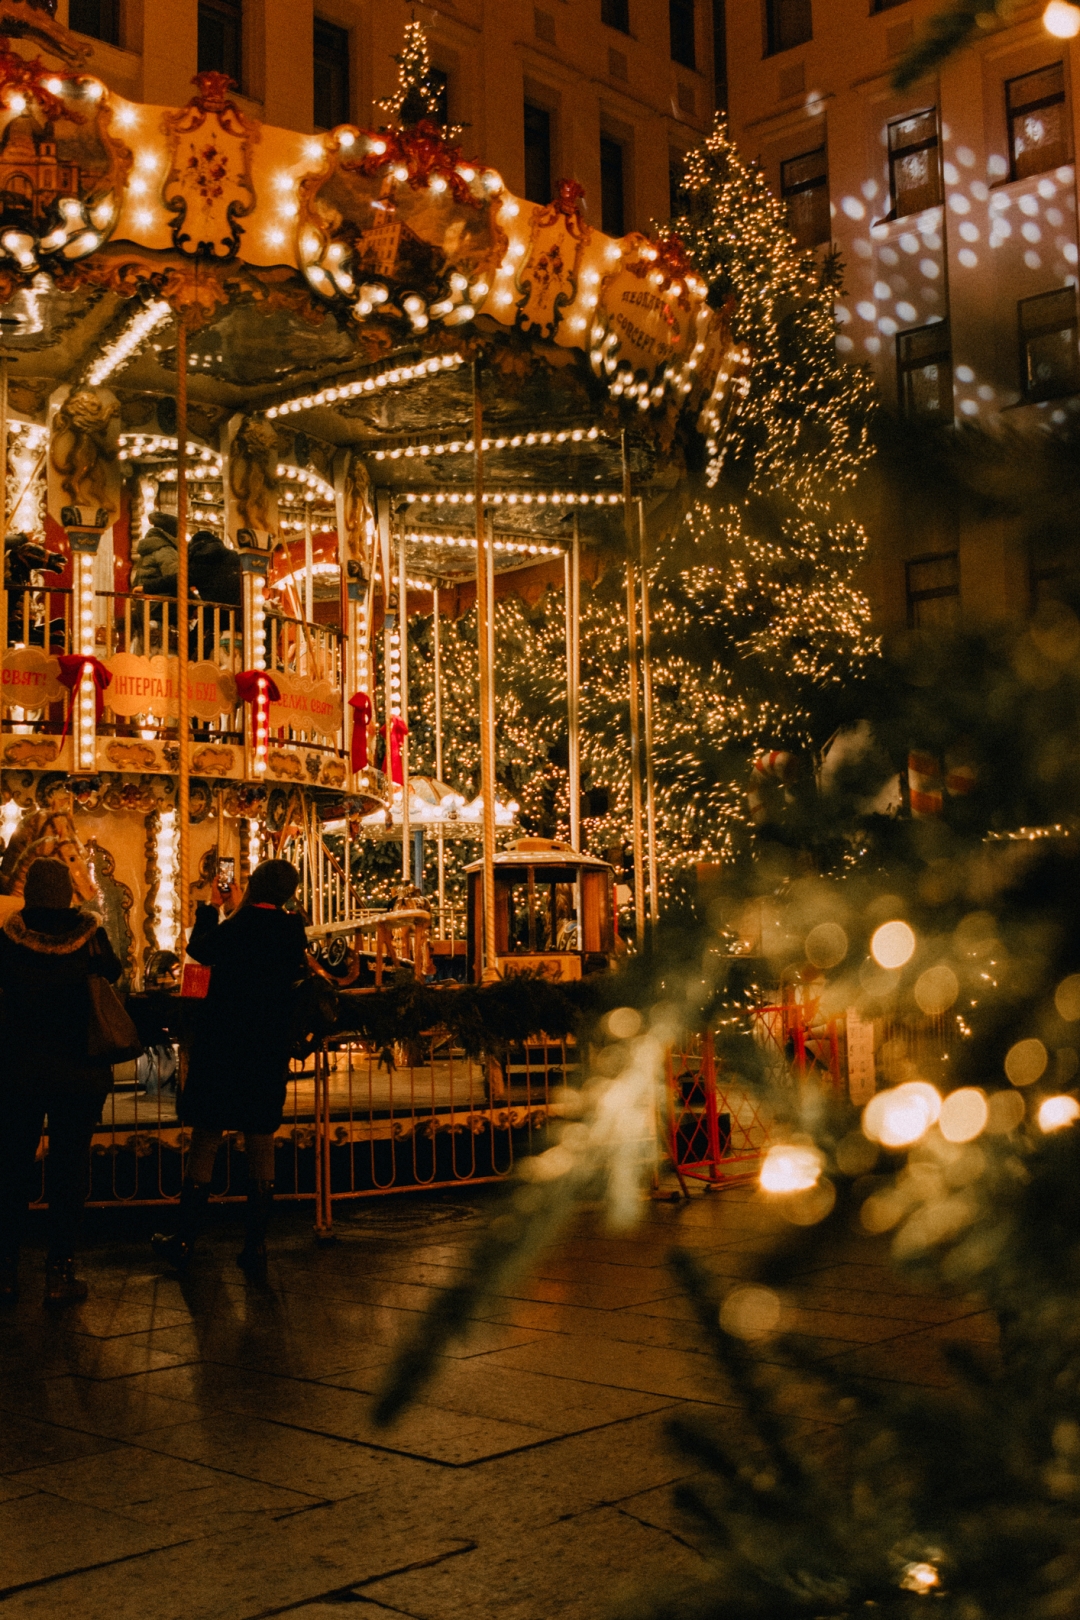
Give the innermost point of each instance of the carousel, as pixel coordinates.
(268, 399)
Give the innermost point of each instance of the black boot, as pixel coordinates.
(179, 1247)
(252, 1257)
(62, 1287)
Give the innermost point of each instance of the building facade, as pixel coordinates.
(953, 206)
(611, 93)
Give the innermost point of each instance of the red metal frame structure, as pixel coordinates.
(714, 1132)
(807, 1044)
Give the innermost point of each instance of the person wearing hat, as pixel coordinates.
(238, 1069)
(48, 950)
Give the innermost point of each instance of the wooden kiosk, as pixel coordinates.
(554, 911)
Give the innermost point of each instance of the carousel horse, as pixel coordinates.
(50, 834)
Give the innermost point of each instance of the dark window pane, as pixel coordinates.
(616, 13)
(1048, 342)
(678, 196)
(933, 591)
(681, 15)
(790, 23)
(220, 37)
(1038, 134)
(924, 371)
(804, 187)
(331, 74)
(438, 82)
(887, 5)
(914, 170)
(98, 18)
(612, 187)
(537, 153)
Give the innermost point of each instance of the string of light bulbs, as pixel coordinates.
(368, 385)
(139, 329)
(504, 497)
(466, 446)
(467, 542)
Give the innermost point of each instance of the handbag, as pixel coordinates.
(195, 982)
(111, 1036)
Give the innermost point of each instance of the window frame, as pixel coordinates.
(1012, 113)
(773, 46)
(801, 188)
(230, 11)
(931, 593)
(1028, 396)
(905, 367)
(115, 38)
(623, 8)
(678, 31)
(906, 151)
(346, 34)
(607, 226)
(530, 104)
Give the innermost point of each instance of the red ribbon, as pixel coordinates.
(398, 731)
(72, 668)
(360, 704)
(247, 686)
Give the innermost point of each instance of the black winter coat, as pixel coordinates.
(45, 961)
(238, 1069)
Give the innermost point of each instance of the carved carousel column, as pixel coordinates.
(84, 497)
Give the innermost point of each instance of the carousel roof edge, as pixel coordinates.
(393, 232)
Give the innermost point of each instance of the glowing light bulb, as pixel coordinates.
(1062, 19)
(902, 1115)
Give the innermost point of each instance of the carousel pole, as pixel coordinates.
(403, 647)
(183, 793)
(646, 671)
(572, 577)
(436, 639)
(3, 497)
(635, 706)
(484, 616)
(309, 573)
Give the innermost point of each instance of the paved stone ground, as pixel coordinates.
(204, 1451)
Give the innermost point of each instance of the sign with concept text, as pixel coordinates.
(152, 686)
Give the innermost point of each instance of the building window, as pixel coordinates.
(1054, 569)
(331, 75)
(914, 169)
(804, 187)
(1038, 136)
(1049, 362)
(544, 25)
(537, 153)
(98, 18)
(678, 196)
(438, 83)
(681, 21)
(885, 5)
(616, 13)
(787, 23)
(612, 187)
(221, 37)
(924, 371)
(933, 591)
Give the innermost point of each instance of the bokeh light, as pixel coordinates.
(623, 1023)
(1067, 998)
(750, 1313)
(1061, 19)
(893, 944)
(1006, 1112)
(789, 1167)
(1026, 1061)
(936, 989)
(902, 1115)
(1057, 1112)
(964, 1114)
(826, 945)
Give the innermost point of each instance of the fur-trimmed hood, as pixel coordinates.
(63, 939)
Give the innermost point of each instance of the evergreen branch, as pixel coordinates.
(949, 32)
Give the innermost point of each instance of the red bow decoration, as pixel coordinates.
(247, 686)
(398, 731)
(360, 704)
(72, 668)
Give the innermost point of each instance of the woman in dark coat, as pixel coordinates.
(47, 952)
(238, 1069)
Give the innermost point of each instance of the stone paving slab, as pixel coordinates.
(203, 1449)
